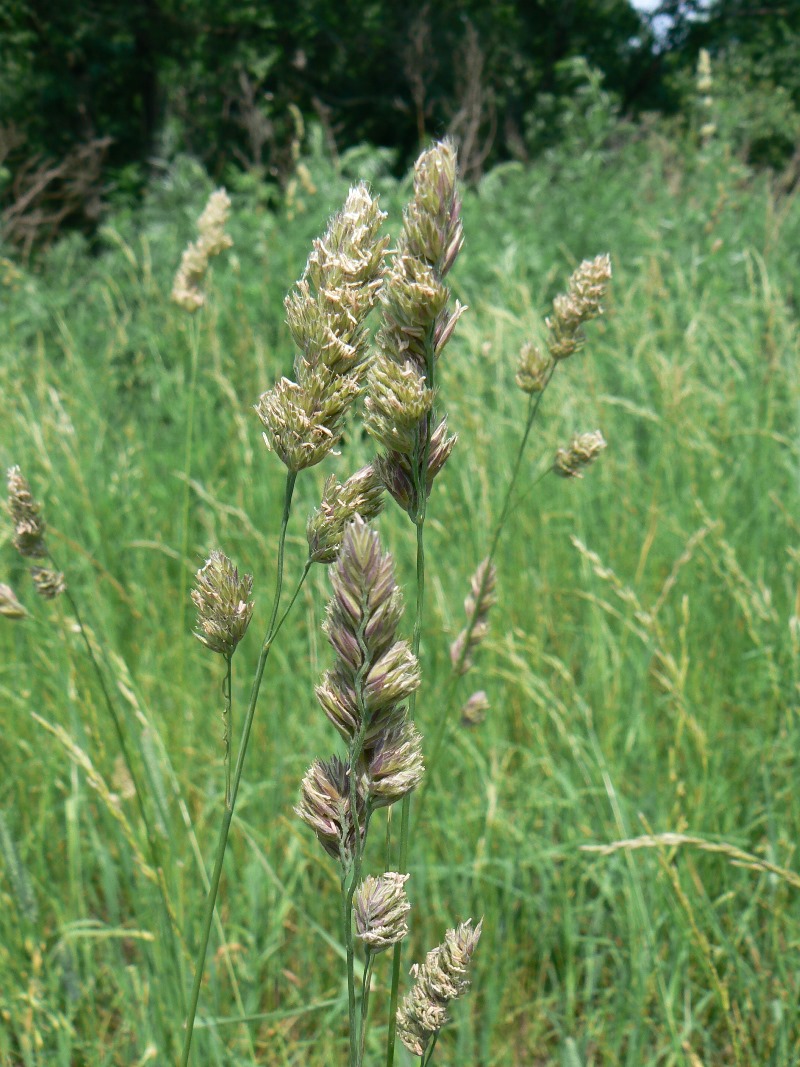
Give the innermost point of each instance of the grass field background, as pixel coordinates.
(643, 664)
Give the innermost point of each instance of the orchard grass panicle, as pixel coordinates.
(187, 291)
(223, 606)
(303, 419)
(364, 696)
(582, 451)
(441, 979)
(29, 526)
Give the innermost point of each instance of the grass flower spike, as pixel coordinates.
(532, 369)
(583, 450)
(29, 526)
(474, 710)
(477, 606)
(441, 979)
(417, 325)
(223, 606)
(361, 494)
(28, 539)
(363, 694)
(380, 908)
(581, 302)
(303, 419)
(187, 289)
(49, 583)
(325, 799)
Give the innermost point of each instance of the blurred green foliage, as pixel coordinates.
(235, 83)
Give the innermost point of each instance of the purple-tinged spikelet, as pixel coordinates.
(325, 807)
(374, 673)
(416, 325)
(395, 468)
(477, 606)
(474, 710)
(381, 908)
(364, 694)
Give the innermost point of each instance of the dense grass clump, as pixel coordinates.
(625, 817)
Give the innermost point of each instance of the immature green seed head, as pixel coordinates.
(583, 450)
(338, 289)
(381, 908)
(397, 400)
(223, 606)
(326, 313)
(304, 422)
(532, 369)
(432, 229)
(440, 979)
(29, 526)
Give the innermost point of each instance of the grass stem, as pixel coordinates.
(227, 816)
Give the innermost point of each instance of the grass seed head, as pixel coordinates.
(440, 979)
(325, 806)
(49, 584)
(582, 451)
(581, 302)
(374, 673)
(381, 908)
(29, 526)
(304, 419)
(361, 494)
(187, 289)
(398, 399)
(396, 471)
(532, 368)
(477, 606)
(474, 710)
(223, 606)
(394, 768)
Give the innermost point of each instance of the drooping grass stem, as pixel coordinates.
(227, 815)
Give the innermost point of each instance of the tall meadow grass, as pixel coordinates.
(625, 817)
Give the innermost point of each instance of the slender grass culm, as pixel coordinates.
(369, 693)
